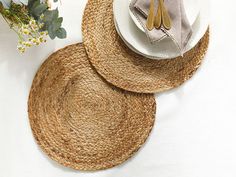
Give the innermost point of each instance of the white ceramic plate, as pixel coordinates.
(192, 10)
(138, 41)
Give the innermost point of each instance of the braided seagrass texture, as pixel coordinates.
(80, 120)
(125, 69)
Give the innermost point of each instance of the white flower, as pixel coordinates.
(21, 48)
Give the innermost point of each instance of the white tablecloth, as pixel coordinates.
(194, 135)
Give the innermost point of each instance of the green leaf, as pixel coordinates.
(61, 33)
(38, 10)
(56, 24)
(35, 4)
(51, 33)
(60, 20)
(50, 15)
(30, 3)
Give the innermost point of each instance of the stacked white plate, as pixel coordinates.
(133, 34)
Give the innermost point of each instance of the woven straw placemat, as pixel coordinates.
(121, 66)
(80, 120)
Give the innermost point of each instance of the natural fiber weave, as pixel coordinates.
(126, 69)
(81, 121)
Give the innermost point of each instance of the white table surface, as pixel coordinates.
(194, 135)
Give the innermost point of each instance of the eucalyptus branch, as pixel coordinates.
(32, 22)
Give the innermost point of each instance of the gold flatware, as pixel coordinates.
(166, 21)
(158, 17)
(150, 19)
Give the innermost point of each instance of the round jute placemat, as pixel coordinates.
(125, 69)
(80, 120)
